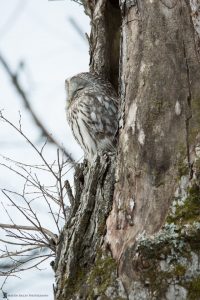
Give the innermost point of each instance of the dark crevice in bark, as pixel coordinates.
(189, 99)
(112, 25)
(188, 113)
(105, 41)
(121, 84)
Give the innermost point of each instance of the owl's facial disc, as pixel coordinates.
(73, 85)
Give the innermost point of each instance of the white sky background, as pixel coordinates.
(38, 33)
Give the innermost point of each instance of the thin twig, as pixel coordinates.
(40, 229)
(24, 97)
(60, 184)
(17, 253)
(29, 141)
(32, 228)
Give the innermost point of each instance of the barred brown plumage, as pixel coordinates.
(92, 113)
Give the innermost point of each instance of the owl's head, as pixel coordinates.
(73, 85)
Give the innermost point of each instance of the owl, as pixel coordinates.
(92, 113)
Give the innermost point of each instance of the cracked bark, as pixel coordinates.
(128, 236)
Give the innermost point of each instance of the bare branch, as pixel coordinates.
(35, 236)
(22, 244)
(16, 269)
(52, 214)
(60, 184)
(26, 102)
(38, 226)
(17, 253)
(32, 228)
(29, 141)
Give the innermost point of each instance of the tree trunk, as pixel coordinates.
(134, 227)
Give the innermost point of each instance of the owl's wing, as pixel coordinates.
(93, 118)
(100, 116)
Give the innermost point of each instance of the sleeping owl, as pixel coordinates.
(92, 113)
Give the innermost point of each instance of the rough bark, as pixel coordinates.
(161, 92)
(133, 231)
(82, 239)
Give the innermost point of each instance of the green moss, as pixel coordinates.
(73, 284)
(182, 164)
(169, 253)
(94, 280)
(194, 121)
(197, 166)
(161, 258)
(101, 274)
(189, 212)
(183, 169)
(156, 280)
(193, 288)
(179, 270)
